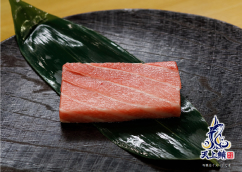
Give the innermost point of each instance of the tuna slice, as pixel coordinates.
(110, 92)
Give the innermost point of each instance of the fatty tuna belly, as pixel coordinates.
(161, 71)
(88, 97)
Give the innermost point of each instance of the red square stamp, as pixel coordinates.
(230, 155)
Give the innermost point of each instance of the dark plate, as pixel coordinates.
(209, 56)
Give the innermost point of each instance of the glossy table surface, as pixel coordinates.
(228, 11)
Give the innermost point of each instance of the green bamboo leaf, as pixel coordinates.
(48, 42)
(171, 138)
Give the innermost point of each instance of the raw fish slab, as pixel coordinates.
(208, 54)
(114, 92)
